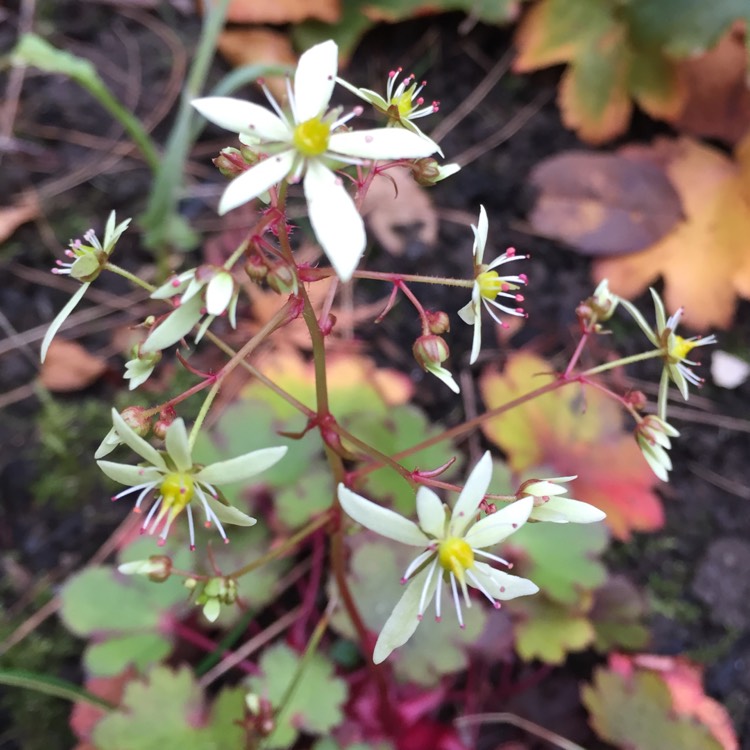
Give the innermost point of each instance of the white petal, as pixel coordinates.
(641, 321)
(501, 524)
(503, 585)
(430, 512)
(480, 236)
(468, 313)
(170, 288)
(567, 510)
(382, 143)
(175, 326)
(219, 293)
(661, 316)
(256, 180)
(381, 520)
(441, 373)
(178, 446)
(242, 117)
(335, 219)
(547, 487)
(314, 80)
(229, 514)
(679, 380)
(474, 490)
(404, 619)
(136, 442)
(130, 475)
(241, 468)
(54, 326)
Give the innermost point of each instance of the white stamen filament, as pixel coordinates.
(457, 601)
(438, 595)
(482, 589)
(490, 556)
(426, 587)
(151, 514)
(191, 526)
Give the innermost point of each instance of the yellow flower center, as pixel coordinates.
(455, 556)
(490, 284)
(680, 348)
(311, 137)
(177, 489)
(404, 102)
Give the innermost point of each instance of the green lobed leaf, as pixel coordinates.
(562, 559)
(317, 702)
(636, 712)
(683, 27)
(297, 503)
(548, 631)
(403, 427)
(165, 712)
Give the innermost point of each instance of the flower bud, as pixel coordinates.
(438, 321)
(282, 279)
(158, 568)
(427, 171)
(137, 419)
(256, 269)
(598, 308)
(230, 162)
(430, 351)
(653, 437)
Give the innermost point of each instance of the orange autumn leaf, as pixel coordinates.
(283, 11)
(609, 67)
(572, 432)
(705, 259)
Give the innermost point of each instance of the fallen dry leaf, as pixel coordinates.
(248, 46)
(69, 367)
(283, 11)
(399, 212)
(607, 69)
(603, 204)
(705, 259)
(718, 94)
(11, 217)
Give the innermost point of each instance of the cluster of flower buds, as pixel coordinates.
(216, 591)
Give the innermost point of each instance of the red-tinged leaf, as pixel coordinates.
(685, 683)
(573, 432)
(603, 204)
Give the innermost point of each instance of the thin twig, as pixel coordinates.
(517, 721)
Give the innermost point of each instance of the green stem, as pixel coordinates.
(291, 688)
(49, 685)
(132, 278)
(284, 547)
(161, 217)
(622, 362)
(280, 318)
(413, 278)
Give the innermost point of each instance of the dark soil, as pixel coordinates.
(695, 570)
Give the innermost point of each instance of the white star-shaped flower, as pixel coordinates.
(177, 481)
(303, 144)
(87, 262)
(451, 540)
(675, 348)
(489, 285)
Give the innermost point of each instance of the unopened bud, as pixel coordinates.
(636, 399)
(158, 568)
(230, 162)
(430, 350)
(256, 269)
(427, 171)
(282, 279)
(439, 322)
(136, 418)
